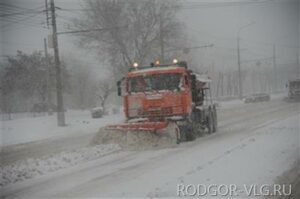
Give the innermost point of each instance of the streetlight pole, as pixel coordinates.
(161, 38)
(239, 68)
(239, 59)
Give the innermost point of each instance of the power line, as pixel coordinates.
(258, 59)
(12, 21)
(195, 5)
(20, 22)
(89, 30)
(270, 44)
(5, 12)
(22, 13)
(18, 43)
(261, 43)
(14, 6)
(15, 16)
(64, 18)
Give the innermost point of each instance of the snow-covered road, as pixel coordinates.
(255, 144)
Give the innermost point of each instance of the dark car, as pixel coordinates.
(257, 97)
(97, 112)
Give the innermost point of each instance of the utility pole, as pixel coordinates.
(222, 84)
(47, 15)
(161, 38)
(49, 97)
(239, 69)
(59, 95)
(297, 60)
(274, 68)
(218, 85)
(298, 52)
(239, 59)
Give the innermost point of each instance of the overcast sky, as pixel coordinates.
(207, 22)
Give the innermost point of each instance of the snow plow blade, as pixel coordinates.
(141, 126)
(140, 135)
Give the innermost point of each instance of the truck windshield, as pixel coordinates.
(155, 82)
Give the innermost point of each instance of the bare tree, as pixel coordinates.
(23, 77)
(103, 92)
(134, 30)
(81, 82)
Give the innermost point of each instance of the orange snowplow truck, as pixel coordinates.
(156, 96)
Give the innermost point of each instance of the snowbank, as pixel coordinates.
(38, 128)
(30, 129)
(237, 102)
(34, 167)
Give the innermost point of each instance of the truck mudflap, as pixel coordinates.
(141, 126)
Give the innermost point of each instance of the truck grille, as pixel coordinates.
(158, 111)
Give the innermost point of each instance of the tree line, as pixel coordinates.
(28, 84)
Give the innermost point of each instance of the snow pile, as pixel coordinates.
(138, 139)
(30, 129)
(31, 168)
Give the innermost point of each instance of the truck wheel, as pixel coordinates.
(178, 134)
(186, 133)
(190, 135)
(209, 121)
(215, 120)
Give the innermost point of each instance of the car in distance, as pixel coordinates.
(97, 112)
(257, 97)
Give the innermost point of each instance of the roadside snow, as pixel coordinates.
(256, 151)
(37, 128)
(257, 159)
(34, 167)
(28, 129)
(231, 104)
(237, 102)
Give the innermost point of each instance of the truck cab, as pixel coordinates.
(168, 93)
(157, 93)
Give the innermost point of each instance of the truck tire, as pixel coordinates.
(178, 134)
(215, 120)
(190, 134)
(186, 133)
(209, 122)
(182, 134)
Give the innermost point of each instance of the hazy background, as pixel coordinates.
(207, 22)
(268, 32)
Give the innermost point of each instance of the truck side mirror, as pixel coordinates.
(193, 88)
(119, 88)
(193, 81)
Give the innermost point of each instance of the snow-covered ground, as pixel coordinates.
(254, 145)
(237, 102)
(255, 159)
(34, 167)
(30, 129)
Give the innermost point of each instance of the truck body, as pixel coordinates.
(157, 95)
